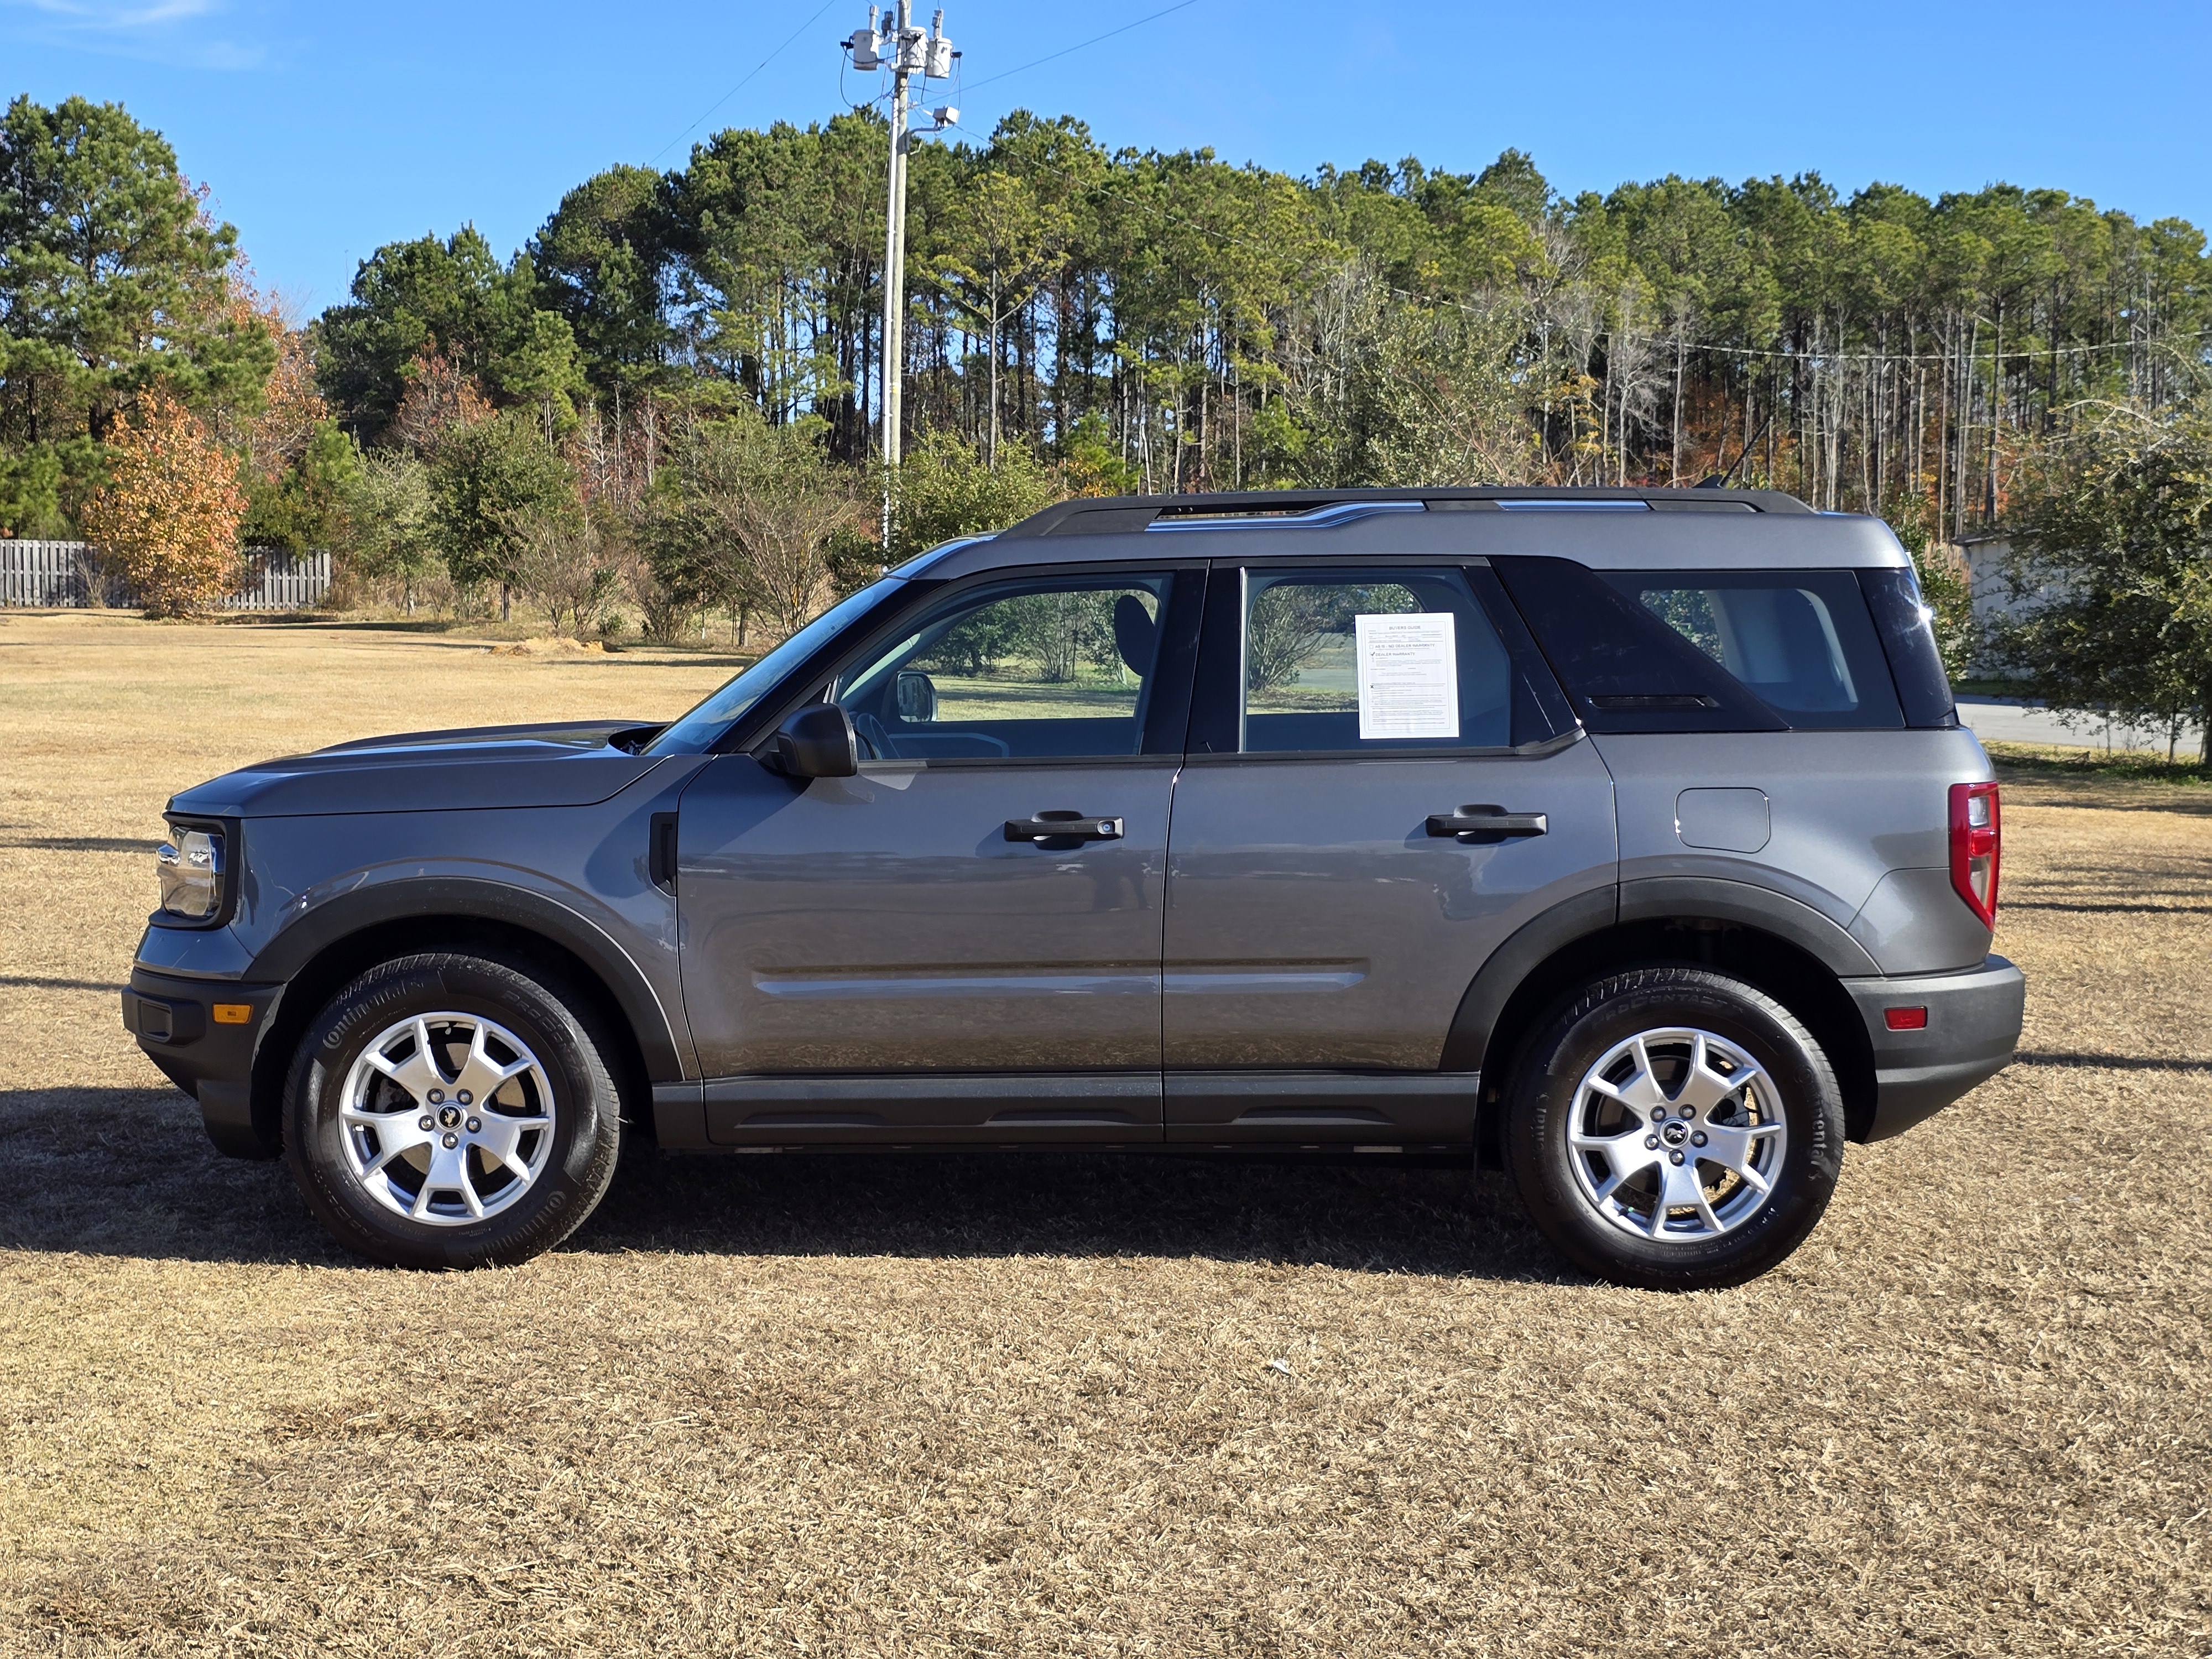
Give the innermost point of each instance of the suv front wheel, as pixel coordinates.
(1674, 1129)
(452, 1111)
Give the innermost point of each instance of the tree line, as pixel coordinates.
(663, 404)
(1168, 321)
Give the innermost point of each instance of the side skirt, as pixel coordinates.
(1193, 1111)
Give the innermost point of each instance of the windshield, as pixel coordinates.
(695, 732)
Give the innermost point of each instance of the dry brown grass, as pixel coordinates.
(948, 1406)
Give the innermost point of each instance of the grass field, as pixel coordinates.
(913, 1406)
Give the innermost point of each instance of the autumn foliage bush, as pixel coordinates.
(167, 521)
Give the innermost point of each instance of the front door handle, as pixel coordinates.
(1477, 823)
(1063, 826)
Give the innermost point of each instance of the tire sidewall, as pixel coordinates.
(1540, 1107)
(586, 1114)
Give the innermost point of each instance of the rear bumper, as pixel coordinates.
(193, 1031)
(1973, 1021)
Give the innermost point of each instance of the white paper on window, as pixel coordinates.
(1408, 676)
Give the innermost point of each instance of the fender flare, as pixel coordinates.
(328, 924)
(1646, 899)
(1717, 899)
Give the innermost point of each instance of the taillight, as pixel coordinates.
(1976, 840)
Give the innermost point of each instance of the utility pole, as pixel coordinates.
(900, 47)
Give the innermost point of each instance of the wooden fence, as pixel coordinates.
(68, 575)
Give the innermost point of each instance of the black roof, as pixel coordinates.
(1106, 515)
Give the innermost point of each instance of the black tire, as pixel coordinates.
(572, 1170)
(1541, 1101)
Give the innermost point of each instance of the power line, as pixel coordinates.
(741, 85)
(1861, 356)
(969, 86)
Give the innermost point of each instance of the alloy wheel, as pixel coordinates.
(1676, 1135)
(447, 1119)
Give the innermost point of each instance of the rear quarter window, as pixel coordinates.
(1709, 650)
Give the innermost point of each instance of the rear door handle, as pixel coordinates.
(1063, 826)
(1475, 823)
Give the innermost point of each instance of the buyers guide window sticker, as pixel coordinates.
(1409, 666)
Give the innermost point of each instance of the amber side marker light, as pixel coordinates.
(233, 1013)
(1905, 1019)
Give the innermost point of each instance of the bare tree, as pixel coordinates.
(569, 564)
(750, 520)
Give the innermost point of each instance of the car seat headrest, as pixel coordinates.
(1136, 635)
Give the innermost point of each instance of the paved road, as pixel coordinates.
(2008, 720)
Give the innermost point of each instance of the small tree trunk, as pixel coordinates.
(991, 447)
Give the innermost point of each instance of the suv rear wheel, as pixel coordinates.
(452, 1111)
(1674, 1129)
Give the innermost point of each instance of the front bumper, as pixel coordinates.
(194, 1030)
(1973, 1021)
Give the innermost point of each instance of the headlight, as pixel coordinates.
(191, 873)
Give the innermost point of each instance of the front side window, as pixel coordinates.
(1339, 661)
(1048, 668)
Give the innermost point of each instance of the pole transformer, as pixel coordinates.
(901, 46)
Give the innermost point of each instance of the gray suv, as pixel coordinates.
(1626, 837)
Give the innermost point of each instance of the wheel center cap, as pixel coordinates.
(450, 1116)
(1674, 1133)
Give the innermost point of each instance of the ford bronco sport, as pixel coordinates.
(1628, 836)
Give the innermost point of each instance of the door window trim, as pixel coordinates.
(1217, 694)
(1166, 717)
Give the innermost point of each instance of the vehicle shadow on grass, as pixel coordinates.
(128, 1172)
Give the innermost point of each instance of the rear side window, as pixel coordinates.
(1709, 650)
(1800, 641)
(1357, 661)
(1909, 636)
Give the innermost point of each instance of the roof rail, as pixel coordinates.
(1106, 515)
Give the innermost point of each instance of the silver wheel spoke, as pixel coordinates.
(426, 1192)
(482, 1076)
(1625, 1154)
(1706, 1088)
(418, 1074)
(401, 1128)
(1696, 1187)
(1640, 1091)
(448, 1173)
(376, 1165)
(1735, 1149)
(501, 1136)
(1679, 1191)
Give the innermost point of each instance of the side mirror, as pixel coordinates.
(817, 741)
(917, 695)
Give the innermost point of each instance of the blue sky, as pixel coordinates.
(324, 131)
